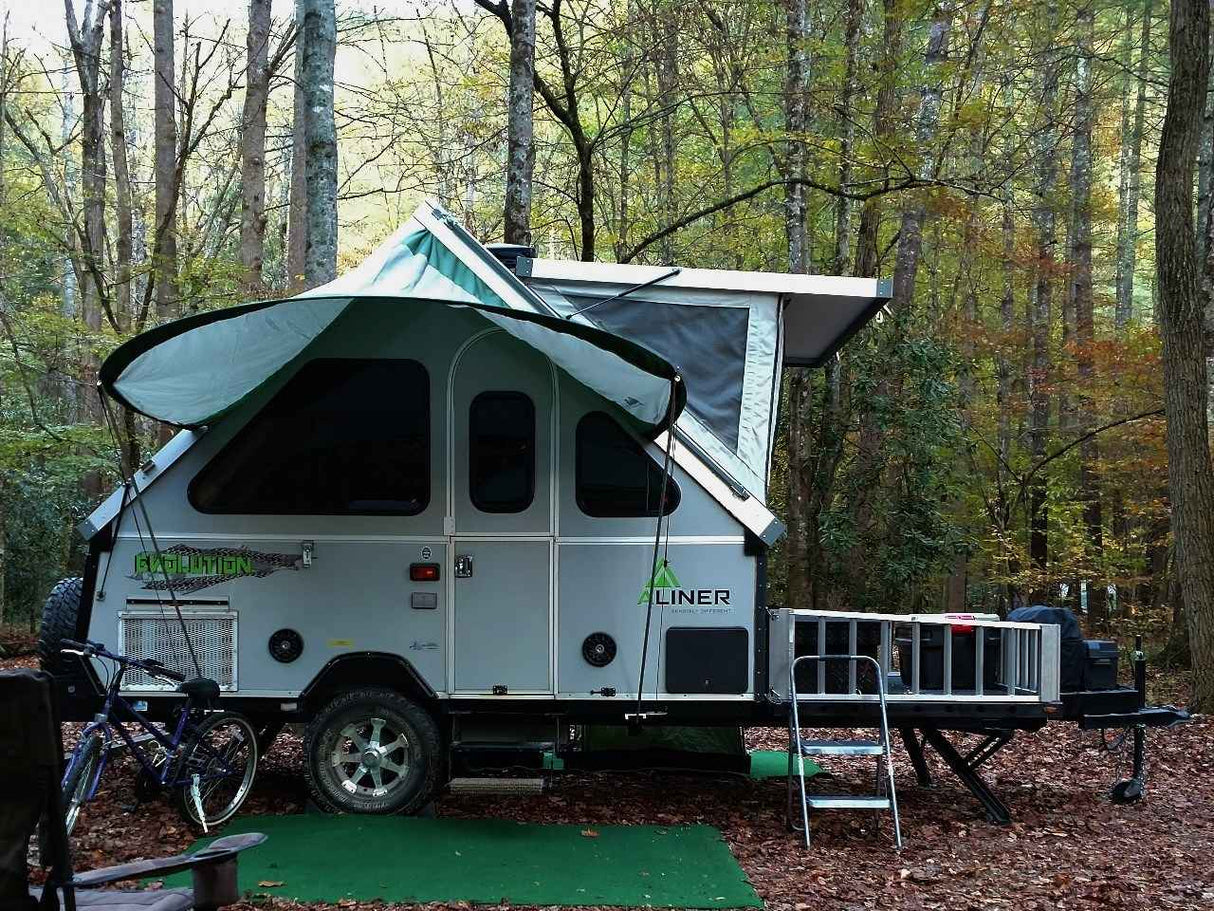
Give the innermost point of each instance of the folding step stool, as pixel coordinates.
(885, 796)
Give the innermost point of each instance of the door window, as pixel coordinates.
(501, 452)
(615, 477)
(342, 437)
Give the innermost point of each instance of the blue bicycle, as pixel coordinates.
(207, 759)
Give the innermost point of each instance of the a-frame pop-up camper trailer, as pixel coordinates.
(461, 495)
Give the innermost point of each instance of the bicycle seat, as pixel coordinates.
(201, 688)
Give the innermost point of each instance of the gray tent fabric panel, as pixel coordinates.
(747, 354)
(711, 346)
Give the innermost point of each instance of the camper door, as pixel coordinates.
(502, 409)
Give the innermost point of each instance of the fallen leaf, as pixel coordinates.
(270, 883)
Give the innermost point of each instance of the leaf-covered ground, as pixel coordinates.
(1068, 847)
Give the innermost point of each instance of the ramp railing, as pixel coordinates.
(916, 657)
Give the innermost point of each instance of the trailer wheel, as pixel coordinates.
(371, 750)
(59, 615)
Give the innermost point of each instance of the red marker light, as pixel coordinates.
(423, 572)
(961, 627)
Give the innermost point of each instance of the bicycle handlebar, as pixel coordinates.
(148, 665)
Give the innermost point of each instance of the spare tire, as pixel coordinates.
(60, 615)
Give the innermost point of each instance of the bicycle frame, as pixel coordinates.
(107, 723)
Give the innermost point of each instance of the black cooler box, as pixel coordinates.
(931, 651)
(1100, 665)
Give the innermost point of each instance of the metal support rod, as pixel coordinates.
(996, 810)
(991, 745)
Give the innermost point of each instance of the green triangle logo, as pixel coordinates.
(663, 578)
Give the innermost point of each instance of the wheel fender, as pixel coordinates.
(366, 669)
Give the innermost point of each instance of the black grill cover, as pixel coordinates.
(1073, 652)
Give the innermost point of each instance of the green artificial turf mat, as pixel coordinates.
(774, 764)
(315, 858)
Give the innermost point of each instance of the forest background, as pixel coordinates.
(996, 438)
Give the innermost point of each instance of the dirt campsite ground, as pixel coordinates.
(1068, 847)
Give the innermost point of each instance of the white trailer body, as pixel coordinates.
(436, 483)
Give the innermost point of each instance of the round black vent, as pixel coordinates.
(286, 645)
(598, 649)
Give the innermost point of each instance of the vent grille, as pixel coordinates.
(159, 636)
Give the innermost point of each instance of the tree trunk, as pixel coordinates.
(796, 86)
(297, 219)
(318, 48)
(867, 250)
(1205, 196)
(124, 219)
(520, 144)
(796, 124)
(86, 40)
(1081, 295)
(165, 115)
(123, 243)
(1180, 314)
(910, 235)
(1128, 232)
(67, 392)
(667, 67)
(253, 148)
(1206, 233)
(624, 173)
(847, 134)
(1041, 305)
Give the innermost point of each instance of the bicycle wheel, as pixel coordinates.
(81, 772)
(222, 752)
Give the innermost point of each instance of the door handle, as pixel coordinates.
(463, 566)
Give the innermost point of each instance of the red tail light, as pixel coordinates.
(423, 572)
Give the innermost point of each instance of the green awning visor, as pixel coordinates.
(191, 371)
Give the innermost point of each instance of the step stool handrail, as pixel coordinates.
(884, 729)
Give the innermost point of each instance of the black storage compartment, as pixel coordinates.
(707, 660)
(931, 652)
(1100, 664)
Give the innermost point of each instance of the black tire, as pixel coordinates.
(232, 735)
(79, 779)
(409, 764)
(60, 615)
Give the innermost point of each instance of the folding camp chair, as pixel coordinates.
(31, 767)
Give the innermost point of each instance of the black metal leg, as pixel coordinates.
(1140, 751)
(996, 810)
(914, 749)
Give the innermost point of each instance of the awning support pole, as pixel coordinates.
(639, 716)
(615, 297)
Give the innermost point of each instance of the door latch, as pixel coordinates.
(308, 548)
(463, 566)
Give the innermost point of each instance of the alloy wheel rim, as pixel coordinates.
(371, 758)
